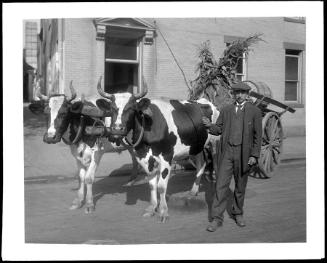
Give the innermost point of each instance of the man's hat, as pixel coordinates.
(240, 86)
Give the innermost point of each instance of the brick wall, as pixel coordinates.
(84, 55)
(148, 68)
(266, 63)
(81, 57)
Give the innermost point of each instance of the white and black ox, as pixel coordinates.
(163, 131)
(67, 121)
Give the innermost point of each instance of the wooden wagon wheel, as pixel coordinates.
(272, 146)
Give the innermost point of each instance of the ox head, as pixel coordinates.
(125, 109)
(58, 108)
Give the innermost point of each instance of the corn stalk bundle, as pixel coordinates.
(215, 78)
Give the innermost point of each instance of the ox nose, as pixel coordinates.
(51, 132)
(118, 129)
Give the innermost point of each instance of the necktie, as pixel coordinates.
(238, 107)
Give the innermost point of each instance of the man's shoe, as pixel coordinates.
(239, 220)
(212, 227)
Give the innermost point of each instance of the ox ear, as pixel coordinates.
(103, 104)
(37, 107)
(143, 106)
(77, 107)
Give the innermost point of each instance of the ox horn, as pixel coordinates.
(73, 92)
(143, 93)
(40, 95)
(102, 92)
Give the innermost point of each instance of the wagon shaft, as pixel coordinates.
(272, 101)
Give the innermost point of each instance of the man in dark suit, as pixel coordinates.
(240, 127)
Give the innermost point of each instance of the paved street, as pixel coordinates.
(275, 212)
(275, 208)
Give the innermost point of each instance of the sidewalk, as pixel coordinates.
(294, 148)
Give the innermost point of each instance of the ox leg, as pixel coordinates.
(150, 165)
(165, 169)
(200, 166)
(77, 152)
(78, 201)
(95, 157)
(151, 209)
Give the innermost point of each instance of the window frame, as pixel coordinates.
(299, 80)
(244, 74)
(137, 61)
(244, 67)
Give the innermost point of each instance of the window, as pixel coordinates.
(240, 67)
(122, 60)
(121, 49)
(292, 75)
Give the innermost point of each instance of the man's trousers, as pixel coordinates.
(231, 164)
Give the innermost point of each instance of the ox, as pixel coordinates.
(162, 131)
(67, 121)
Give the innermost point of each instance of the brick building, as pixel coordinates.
(130, 52)
(29, 57)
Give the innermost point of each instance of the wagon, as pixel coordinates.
(272, 129)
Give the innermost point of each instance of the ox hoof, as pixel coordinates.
(149, 211)
(89, 209)
(76, 205)
(148, 214)
(193, 193)
(163, 219)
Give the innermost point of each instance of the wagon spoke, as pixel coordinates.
(264, 147)
(268, 130)
(273, 161)
(270, 161)
(264, 141)
(275, 143)
(275, 155)
(265, 136)
(274, 129)
(263, 173)
(264, 156)
(276, 148)
(267, 162)
(277, 132)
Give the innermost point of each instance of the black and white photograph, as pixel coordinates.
(166, 131)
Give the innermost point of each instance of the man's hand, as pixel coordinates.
(252, 161)
(206, 122)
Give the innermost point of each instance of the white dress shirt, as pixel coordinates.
(241, 105)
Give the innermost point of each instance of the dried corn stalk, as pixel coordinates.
(215, 78)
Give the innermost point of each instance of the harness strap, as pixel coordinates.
(139, 139)
(79, 131)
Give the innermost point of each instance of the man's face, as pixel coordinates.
(240, 95)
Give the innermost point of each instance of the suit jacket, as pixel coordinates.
(252, 132)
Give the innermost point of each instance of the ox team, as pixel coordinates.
(163, 131)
